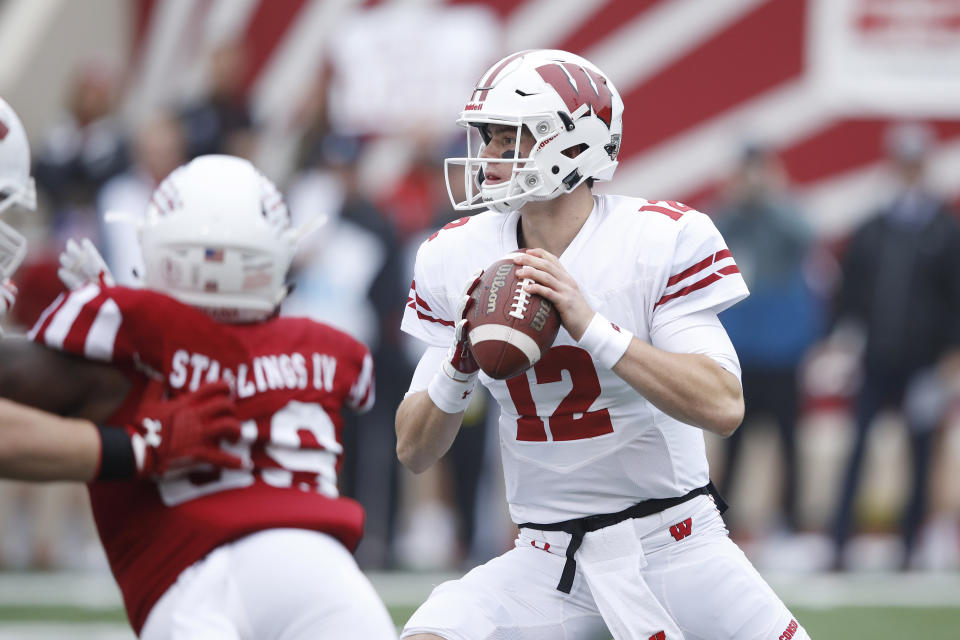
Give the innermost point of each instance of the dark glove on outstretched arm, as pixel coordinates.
(173, 434)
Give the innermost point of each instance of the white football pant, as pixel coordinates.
(697, 575)
(280, 584)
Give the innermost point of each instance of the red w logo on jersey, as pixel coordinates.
(574, 87)
(659, 635)
(681, 530)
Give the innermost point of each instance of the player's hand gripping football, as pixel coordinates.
(81, 264)
(460, 364)
(186, 431)
(552, 281)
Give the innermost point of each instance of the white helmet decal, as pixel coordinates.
(565, 103)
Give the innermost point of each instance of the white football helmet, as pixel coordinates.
(567, 105)
(217, 236)
(16, 186)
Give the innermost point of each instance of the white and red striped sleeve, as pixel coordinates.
(703, 275)
(427, 314)
(363, 392)
(86, 322)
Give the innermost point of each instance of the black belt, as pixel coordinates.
(578, 527)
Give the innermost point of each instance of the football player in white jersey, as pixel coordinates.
(602, 440)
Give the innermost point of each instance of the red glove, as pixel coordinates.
(460, 364)
(186, 431)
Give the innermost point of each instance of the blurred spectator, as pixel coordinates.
(158, 149)
(350, 275)
(901, 287)
(772, 329)
(313, 118)
(83, 151)
(419, 199)
(220, 121)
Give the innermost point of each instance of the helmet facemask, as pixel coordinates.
(522, 184)
(23, 194)
(13, 246)
(16, 186)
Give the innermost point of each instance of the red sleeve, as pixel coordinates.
(86, 322)
(357, 365)
(114, 324)
(362, 392)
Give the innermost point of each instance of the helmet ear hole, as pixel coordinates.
(575, 150)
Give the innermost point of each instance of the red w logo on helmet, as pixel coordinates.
(4, 129)
(575, 88)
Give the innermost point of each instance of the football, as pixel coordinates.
(510, 329)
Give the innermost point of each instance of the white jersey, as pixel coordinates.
(576, 439)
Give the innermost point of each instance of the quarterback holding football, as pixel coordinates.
(257, 544)
(602, 437)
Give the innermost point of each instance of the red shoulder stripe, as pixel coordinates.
(699, 284)
(422, 303)
(700, 266)
(423, 316)
(76, 339)
(415, 302)
(45, 318)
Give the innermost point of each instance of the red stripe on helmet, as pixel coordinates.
(485, 83)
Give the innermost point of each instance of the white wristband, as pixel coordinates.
(605, 341)
(451, 396)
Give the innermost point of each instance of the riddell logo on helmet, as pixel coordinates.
(473, 106)
(546, 142)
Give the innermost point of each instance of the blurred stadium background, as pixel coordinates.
(350, 104)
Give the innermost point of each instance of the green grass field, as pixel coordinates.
(850, 623)
(841, 623)
(38, 606)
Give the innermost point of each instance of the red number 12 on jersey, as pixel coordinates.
(572, 420)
